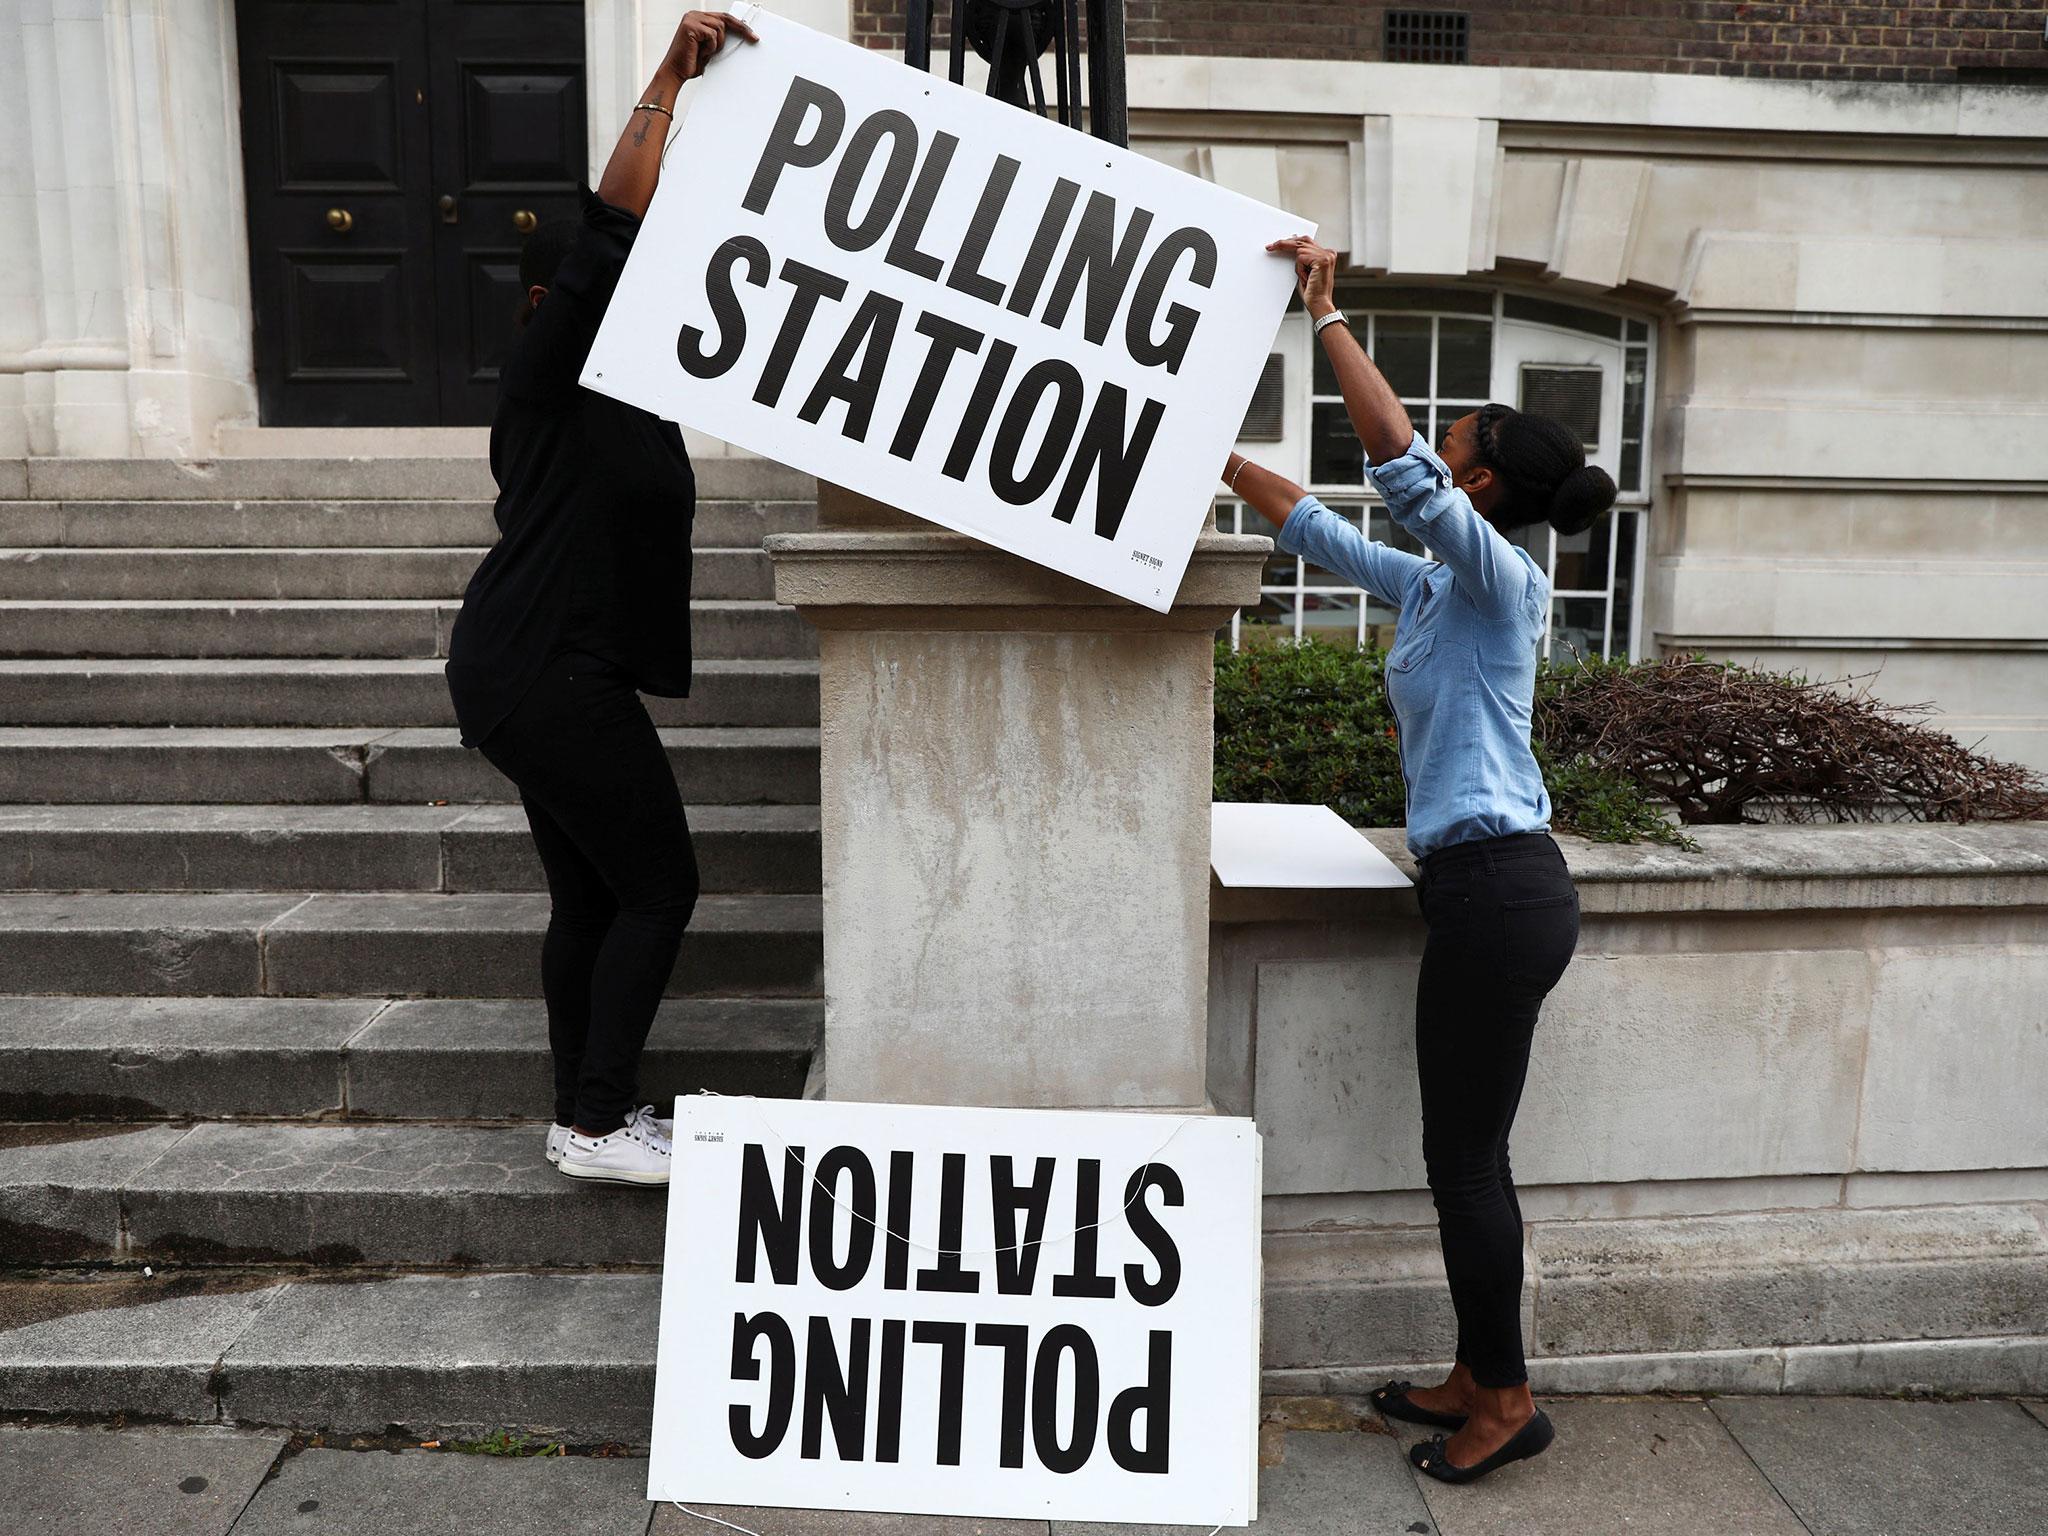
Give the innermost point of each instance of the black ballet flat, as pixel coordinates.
(1532, 1439)
(1392, 1401)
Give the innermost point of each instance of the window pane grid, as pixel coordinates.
(1425, 351)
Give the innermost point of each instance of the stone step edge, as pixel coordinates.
(383, 666)
(281, 551)
(305, 1354)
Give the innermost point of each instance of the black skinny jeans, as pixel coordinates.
(608, 822)
(1503, 919)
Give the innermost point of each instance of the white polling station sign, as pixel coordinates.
(1042, 1314)
(951, 305)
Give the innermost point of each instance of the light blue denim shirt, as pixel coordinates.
(1462, 673)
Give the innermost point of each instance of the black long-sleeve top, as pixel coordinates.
(595, 502)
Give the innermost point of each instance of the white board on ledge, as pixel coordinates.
(1296, 847)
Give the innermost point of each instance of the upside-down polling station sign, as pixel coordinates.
(1041, 1314)
(956, 307)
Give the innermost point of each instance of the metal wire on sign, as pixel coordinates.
(1137, 1191)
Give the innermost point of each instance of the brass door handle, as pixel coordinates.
(447, 207)
(524, 221)
(340, 220)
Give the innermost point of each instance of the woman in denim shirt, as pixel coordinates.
(1502, 913)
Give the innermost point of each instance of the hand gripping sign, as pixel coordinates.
(948, 304)
(1043, 1314)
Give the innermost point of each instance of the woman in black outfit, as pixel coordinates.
(582, 605)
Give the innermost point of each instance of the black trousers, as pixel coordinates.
(608, 822)
(1503, 919)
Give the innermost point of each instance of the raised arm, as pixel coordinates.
(1377, 414)
(561, 327)
(635, 165)
(1304, 526)
(1416, 485)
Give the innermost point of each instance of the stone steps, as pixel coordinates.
(757, 849)
(400, 691)
(736, 629)
(437, 1355)
(269, 940)
(361, 1058)
(388, 944)
(140, 765)
(353, 574)
(420, 1196)
(323, 523)
(430, 478)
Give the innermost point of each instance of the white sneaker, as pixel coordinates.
(666, 1129)
(558, 1138)
(633, 1154)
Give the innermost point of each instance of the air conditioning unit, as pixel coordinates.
(1567, 393)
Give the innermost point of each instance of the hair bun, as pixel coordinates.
(1580, 498)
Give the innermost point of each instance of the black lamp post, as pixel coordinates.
(1011, 35)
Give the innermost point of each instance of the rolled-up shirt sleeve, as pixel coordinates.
(550, 352)
(1323, 538)
(1420, 497)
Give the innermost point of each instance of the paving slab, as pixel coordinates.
(426, 1493)
(1661, 1466)
(1328, 1483)
(106, 1346)
(1881, 1467)
(488, 1058)
(2038, 1409)
(142, 1058)
(411, 1195)
(567, 1356)
(60, 1188)
(156, 1481)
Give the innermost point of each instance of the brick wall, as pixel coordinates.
(1998, 38)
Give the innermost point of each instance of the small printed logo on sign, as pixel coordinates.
(1150, 562)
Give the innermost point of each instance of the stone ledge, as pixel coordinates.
(1864, 1300)
(889, 578)
(1737, 869)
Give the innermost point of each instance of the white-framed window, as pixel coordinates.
(1447, 351)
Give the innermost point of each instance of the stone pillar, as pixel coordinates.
(1016, 781)
(126, 323)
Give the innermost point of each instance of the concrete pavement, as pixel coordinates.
(1782, 1466)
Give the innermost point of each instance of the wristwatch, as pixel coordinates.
(1334, 317)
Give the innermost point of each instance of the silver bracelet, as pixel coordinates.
(1232, 481)
(1334, 317)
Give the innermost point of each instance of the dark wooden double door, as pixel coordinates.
(396, 154)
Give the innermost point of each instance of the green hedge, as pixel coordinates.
(1310, 724)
